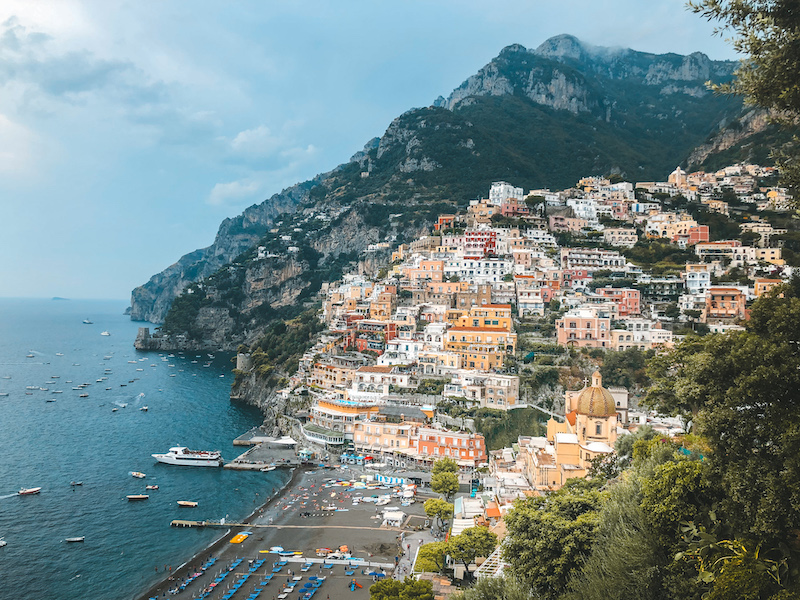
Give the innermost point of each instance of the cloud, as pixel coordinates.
(258, 141)
(16, 147)
(232, 192)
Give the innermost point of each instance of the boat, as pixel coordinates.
(75, 539)
(6, 376)
(29, 356)
(29, 491)
(187, 504)
(3, 393)
(59, 354)
(83, 395)
(143, 409)
(138, 474)
(3, 542)
(268, 468)
(138, 497)
(181, 455)
(87, 322)
(76, 483)
(104, 333)
(151, 487)
(51, 400)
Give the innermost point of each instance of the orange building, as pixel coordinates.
(724, 303)
(762, 286)
(467, 449)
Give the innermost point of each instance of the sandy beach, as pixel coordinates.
(296, 520)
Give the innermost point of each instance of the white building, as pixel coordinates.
(501, 191)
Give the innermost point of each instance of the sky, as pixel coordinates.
(130, 129)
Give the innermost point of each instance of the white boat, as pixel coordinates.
(87, 322)
(75, 539)
(268, 469)
(29, 491)
(180, 455)
(143, 409)
(187, 503)
(2, 542)
(3, 393)
(138, 497)
(137, 474)
(104, 333)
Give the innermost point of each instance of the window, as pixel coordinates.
(598, 428)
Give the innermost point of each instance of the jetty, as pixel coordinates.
(265, 452)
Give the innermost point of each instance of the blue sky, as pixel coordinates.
(130, 129)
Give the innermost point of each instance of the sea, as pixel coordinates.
(51, 437)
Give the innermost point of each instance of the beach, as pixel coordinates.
(296, 520)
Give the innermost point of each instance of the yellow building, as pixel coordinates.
(589, 430)
(489, 315)
(481, 348)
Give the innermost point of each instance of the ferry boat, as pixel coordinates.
(192, 458)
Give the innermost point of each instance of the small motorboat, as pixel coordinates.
(76, 483)
(187, 504)
(29, 491)
(2, 542)
(87, 322)
(138, 474)
(268, 468)
(151, 487)
(75, 539)
(138, 497)
(83, 395)
(4, 394)
(143, 409)
(104, 333)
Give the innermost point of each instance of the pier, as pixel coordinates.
(264, 452)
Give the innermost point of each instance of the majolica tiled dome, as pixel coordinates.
(596, 401)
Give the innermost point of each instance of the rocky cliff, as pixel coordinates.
(540, 118)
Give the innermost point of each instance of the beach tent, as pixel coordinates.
(390, 480)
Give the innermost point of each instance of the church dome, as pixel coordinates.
(596, 401)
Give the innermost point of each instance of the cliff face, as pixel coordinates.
(540, 118)
(563, 73)
(151, 301)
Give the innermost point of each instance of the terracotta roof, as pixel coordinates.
(386, 369)
(572, 417)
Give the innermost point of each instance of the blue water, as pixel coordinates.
(49, 444)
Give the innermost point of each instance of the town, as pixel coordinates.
(513, 307)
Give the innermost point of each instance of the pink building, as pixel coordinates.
(585, 327)
(627, 299)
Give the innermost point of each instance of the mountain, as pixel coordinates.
(536, 118)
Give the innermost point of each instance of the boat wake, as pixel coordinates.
(9, 496)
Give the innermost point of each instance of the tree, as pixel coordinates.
(471, 543)
(432, 557)
(438, 509)
(445, 483)
(742, 389)
(408, 589)
(549, 536)
(624, 445)
(445, 465)
(506, 587)
(766, 33)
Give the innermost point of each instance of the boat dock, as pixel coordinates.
(267, 452)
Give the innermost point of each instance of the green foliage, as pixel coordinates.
(506, 587)
(408, 589)
(431, 386)
(501, 428)
(432, 557)
(626, 368)
(182, 315)
(548, 537)
(284, 343)
(445, 483)
(438, 508)
(624, 445)
(677, 491)
(445, 465)
(471, 543)
(658, 255)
